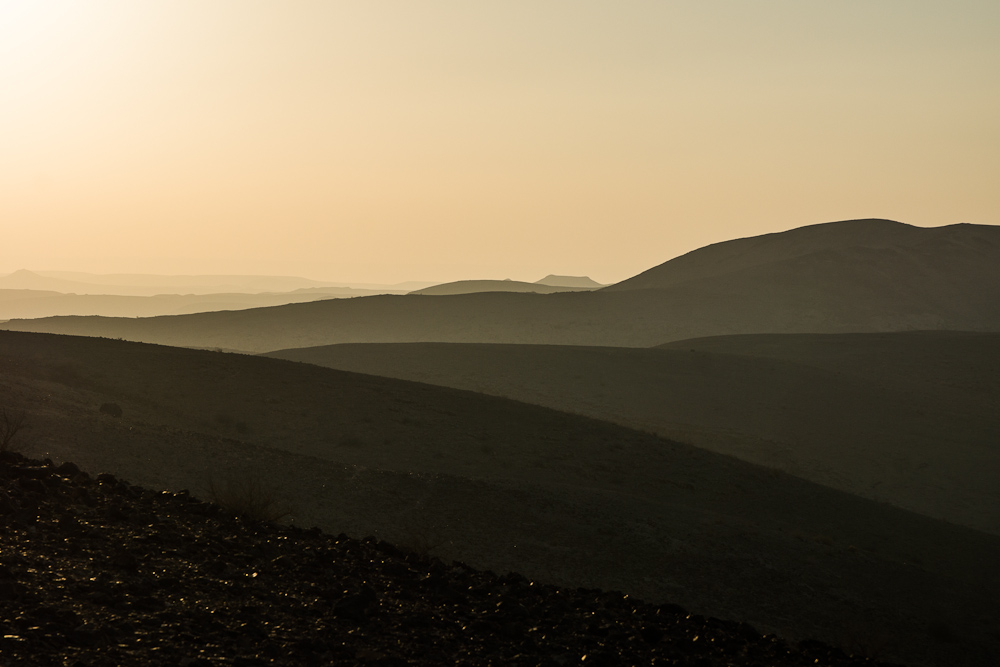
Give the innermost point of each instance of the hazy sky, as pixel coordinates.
(388, 140)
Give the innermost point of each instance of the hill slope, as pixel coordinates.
(975, 245)
(908, 418)
(130, 590)
(509, 486)
(941, 278)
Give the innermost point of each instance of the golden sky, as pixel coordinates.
(383, 141)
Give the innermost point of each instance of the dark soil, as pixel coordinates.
(96, 571)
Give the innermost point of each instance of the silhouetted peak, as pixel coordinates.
(843, 236)
(568, 281)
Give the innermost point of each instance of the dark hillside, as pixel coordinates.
(907, 418)
(956, 369)
(102, 572)
(512, 487)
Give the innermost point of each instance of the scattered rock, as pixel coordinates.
(68, 469)
(116, 575)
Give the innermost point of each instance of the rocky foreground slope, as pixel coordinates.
(96, 571)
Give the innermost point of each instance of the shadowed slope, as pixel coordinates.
(941, 278)
(908, 418)
(509, 486)
(957, 371)
(130, 576)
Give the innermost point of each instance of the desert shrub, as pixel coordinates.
(247, 492)
(112, 409)
(11, 423)
(420, 541)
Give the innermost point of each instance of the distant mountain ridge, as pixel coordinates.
(569, 281)
(143, 284)
(852, 276)
(730, 257)
(476, 286)
(29, 294)
(16, 303)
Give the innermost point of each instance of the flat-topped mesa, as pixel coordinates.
(569, 281)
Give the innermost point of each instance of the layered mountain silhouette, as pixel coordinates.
(853, 276)
(763, 430)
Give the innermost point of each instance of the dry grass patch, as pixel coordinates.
(11, 423)
(248, 493)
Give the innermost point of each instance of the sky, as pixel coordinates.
(383, 141)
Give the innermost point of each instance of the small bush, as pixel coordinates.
(112, 409)
(11, 423)
(247, 493)
(421, 542)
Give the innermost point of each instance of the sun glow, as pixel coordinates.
(525, 138)
(35, 36)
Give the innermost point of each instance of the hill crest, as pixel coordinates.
(855, 276)
(569, 281)
(728, 257)
(479, 286)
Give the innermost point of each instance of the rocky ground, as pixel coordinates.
(96, 571)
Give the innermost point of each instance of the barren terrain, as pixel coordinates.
(512, 487)
(912, 418)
